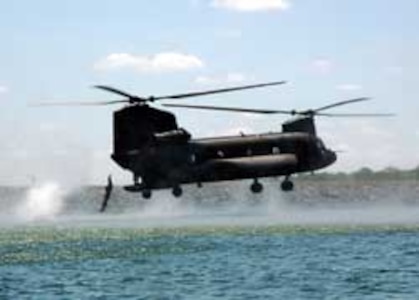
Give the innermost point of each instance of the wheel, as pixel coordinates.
(146, 193)
(177, 191)
(287, 185)
(256, 187)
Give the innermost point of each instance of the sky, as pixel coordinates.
(326, 50)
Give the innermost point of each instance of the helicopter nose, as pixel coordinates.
(331, 157)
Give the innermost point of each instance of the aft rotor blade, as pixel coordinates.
(216, 91)
(354, 115)
(114, 90)
(231, 109)
(341, 103)
(79, 103)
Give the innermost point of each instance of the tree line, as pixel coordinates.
(365, 173)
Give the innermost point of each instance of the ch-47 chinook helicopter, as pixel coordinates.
(149, 143)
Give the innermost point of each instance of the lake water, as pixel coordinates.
(337, 240)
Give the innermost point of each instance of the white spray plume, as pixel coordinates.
(43, 202)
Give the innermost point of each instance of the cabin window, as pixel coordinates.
(275, 150)
(193, 158)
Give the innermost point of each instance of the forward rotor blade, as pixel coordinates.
(79, 103)
(216, 91)
(341, 103)
(114, 90)
(231, 109)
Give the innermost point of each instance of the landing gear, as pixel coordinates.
(177, 191)
(146, 193)
(256, 187)
(287, 185)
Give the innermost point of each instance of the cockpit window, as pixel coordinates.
(320, 145)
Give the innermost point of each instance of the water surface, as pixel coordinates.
(346, 241)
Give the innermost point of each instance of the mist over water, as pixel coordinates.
(321, 203)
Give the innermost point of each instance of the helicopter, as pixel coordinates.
(148, 142)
